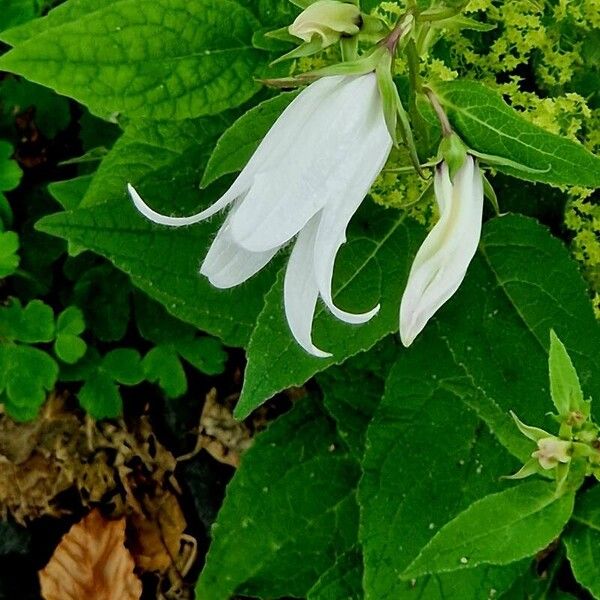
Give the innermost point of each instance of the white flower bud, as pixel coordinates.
(328, 19)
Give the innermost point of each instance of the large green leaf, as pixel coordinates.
(342, 580)
(583, 541)
(164, 263)
(290, 511)
(427, 457)
(522, 284)
(489, 125)
(165, 161)
(352, 391)
(149, 146)
(498, 529)
(372, 267)
(164, 59)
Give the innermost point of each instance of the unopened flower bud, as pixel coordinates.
(328, 19)
(552, 451)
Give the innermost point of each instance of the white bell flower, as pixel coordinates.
(442, 260)
(307, 178)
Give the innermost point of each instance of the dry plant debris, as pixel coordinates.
(224, 438)
(91, 562)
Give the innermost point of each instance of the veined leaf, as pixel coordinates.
(498, 529)
(164, 59)
(583, 541)
(342, 580)
(489, 125)
(163, 262)
(427, 458)
(292, 497)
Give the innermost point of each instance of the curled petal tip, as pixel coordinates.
(314, 351)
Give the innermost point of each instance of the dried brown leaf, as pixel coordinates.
(91, 562)
(157, 534)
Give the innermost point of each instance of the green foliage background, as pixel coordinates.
(384, 481)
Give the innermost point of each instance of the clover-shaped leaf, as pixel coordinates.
(69, 347)
(175, 341)
(10, 172)
(28, 374)
(162, 366)
(100, 395)
(32, 324)
(9, 259)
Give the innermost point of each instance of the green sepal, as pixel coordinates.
(454, 152)
(305, 49)
(282, 35)
(531, 467)
(361, 66)
(532, 433)
(565, 388)
(349, 48)
(388, 92)
(490, 194)
(490, 159)
(393, 110)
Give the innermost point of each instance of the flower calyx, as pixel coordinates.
(575, 452)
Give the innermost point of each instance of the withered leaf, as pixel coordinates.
(91, 562)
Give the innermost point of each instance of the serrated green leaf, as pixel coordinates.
(70, 193)
(9, 259)
(292, 497)
(564, 384)
(368, 271)
(162, 365)
(498, 529)
(238, 143)
(147, 146)
(582, 541)
(10, 172)
(489, 125)
(342, 580)
(164, 263)
(147, 66)
(100, 396)
(427, 457)
(124, 365)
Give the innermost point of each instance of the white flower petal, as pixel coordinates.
(277, 141)
(282, 200)
(161, 219)
(227, 264)
(442, 261)
(373, 147)
(300, 292)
